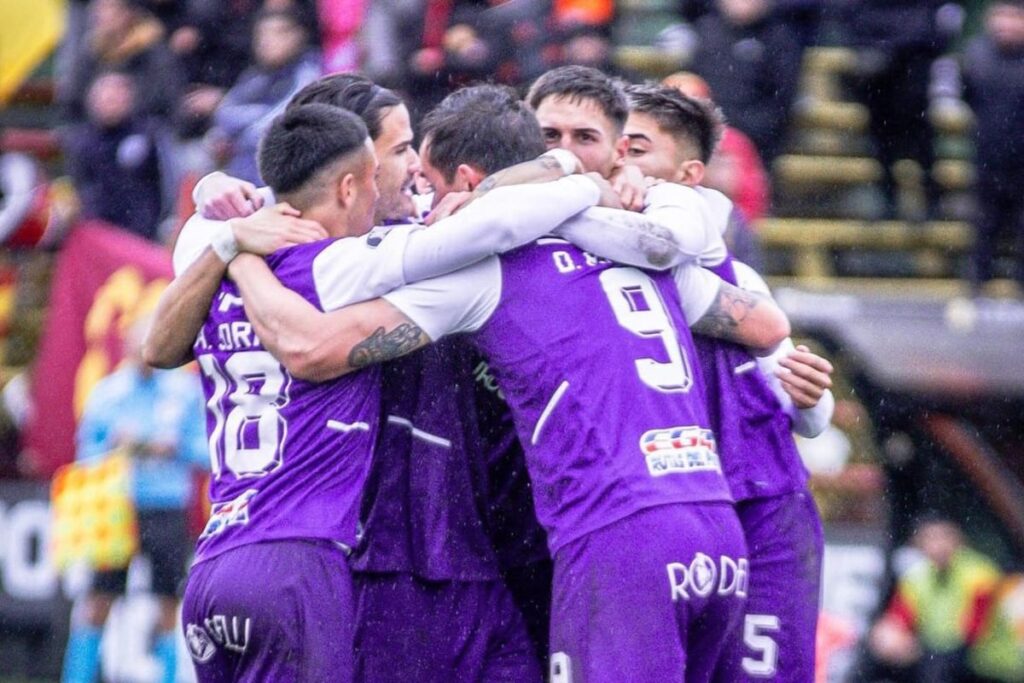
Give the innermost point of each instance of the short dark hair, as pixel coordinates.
(486, 126)
(692, 119)
(356, 94)
(303, 141)
(577, 83)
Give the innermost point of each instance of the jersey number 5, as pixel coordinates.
(248, 392)
(639, 308)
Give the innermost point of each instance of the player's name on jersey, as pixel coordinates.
(232, 336)
(570, 262)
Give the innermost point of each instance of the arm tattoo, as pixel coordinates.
(731, 308)
(383, 346)
(524, 172)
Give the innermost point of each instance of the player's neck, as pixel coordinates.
(329, 215)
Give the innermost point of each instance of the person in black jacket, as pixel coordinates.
(898, 41)
(124, 36)
(752, 63)
(994, 87)
(114, 158)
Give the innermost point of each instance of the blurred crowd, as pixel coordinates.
(155, 93)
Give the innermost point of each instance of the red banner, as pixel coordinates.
(105, 279)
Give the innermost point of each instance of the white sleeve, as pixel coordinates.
(698, 289)
(719, 215)
(675, 227)
(503, 219)
(363, 268)
(807, 422)
(357, 269)
(458, 302)
(193, 238)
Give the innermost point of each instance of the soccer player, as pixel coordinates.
(433, 548)
(595, 360)
(672, 137)
(430, 602)
(270, 595)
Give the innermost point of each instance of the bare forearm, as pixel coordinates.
(180, 314)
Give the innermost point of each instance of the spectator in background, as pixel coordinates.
(158, 416)
(463, 41)
(284, 62)
(114, 158)
(994, 87)
(590, 45)
(124, 36)
(898, 41)
(386, 29)
(213, 47)
(751, 61)
(340, 21)
(940, 608)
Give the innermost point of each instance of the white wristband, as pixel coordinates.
(566, 159)
(223, 243)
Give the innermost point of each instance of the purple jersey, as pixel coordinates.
(754, 432)
(421, 512)
(511, 518)
(596, 362)
(289, 457)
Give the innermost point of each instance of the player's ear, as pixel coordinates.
(346, 189)
(467, 178)
(621, 147)
(691, 172)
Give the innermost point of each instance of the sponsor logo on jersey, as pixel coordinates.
(232, 513)
(485, 378)
(703, 576)
(679, 450)
(200, 646)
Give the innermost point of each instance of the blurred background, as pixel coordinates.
(877, 153)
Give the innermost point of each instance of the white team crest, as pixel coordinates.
(200, 646)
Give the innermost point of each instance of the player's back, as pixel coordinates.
(598, 366)
(289, 457)
(421, 507)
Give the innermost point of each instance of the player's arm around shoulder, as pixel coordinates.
(797, 375)
(203, 249)
(313, 345)
(737, 315)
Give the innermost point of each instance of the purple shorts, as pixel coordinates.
(785, 542)
(275, 611)
(652, 597)
(408, 629)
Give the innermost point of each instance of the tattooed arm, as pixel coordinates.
(317, 346)
(715, 308)
(750, 319)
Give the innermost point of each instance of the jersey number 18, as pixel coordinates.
(249, 390)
